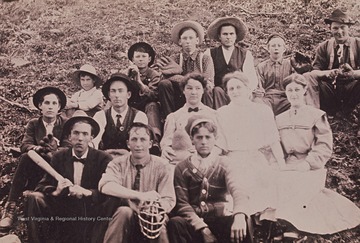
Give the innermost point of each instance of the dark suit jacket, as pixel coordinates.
(94, 166)
(35, 131)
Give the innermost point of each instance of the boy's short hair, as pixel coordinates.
(197, 121)
(186, 29)
(138, 125)
(275, 35)
(211, 127)
(196, 76)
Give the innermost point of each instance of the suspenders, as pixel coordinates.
(330, 49)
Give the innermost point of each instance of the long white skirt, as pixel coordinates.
(255, 178)
(309, 206)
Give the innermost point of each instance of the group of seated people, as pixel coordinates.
(242, 148)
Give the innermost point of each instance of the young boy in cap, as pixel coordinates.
(229, 57)
(43, 135)
(145, 81)
(74, 201)
(187, 34)
(89, 98)
(202, 182)
(336, 66)
(116, 120)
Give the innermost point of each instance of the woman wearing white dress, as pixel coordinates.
(251, 133)
(306, 138)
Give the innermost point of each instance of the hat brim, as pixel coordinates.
(330, 20)
(145, 46)
(187, 24)
(69, 124)
(49, 90)
(76, 78)
(196, 119)
(117, 77)
(213, 29)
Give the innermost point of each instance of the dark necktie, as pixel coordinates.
(75, 159)
(196, 109)
(118, 122)
(136, 186)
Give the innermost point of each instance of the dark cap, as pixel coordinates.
(49, 90)
(148, 49)
(117, 77)
(339, 16)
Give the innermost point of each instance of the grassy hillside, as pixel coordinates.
(43, 41)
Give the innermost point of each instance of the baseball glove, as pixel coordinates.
(301, 63)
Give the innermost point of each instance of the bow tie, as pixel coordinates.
(196, 109)
(82, 160)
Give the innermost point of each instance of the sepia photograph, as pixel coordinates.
(180, 121)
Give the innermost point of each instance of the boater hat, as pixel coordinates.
(187, 24)
(80, 115)
(148, 48)
(49, 90)
(117, 77)
(214, 28)
(339, 16)
(87, 68)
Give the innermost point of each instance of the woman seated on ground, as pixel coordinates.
(250, 132)
(306, 138)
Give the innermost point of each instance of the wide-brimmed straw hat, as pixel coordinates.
(87, 68)
(148, 48)
(80, 115)
(117, 77)
(339, 16)
(213, 29)
(187, 24)
(49, 90)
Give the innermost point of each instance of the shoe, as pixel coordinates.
(8, 216)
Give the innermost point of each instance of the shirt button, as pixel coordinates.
(202, 203)
(194, 171)
(203, 191)
(205, 179)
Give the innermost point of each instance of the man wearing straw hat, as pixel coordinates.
(89, 98)
(73, 203)
(44, 136)
(187, 34)
(336, 66)
(229, 57)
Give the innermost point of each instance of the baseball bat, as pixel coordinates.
(44, 165)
